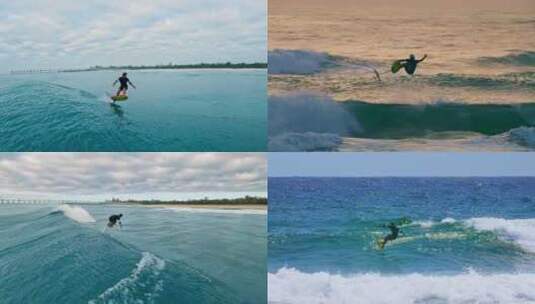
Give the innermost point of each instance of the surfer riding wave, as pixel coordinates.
(115, 219)
(408, 64)
(124, 81)
(394, 233)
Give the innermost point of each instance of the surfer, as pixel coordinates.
(124, 81)
(410, 63)
(394, 232)
(115, 219)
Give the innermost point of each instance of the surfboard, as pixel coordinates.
(396, 66)
(119, 97)
(380, 243)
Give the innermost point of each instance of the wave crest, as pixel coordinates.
(297, 62)
(524, 136)
(526, 58)
(519, 231)
(308, 122)
(76, 213)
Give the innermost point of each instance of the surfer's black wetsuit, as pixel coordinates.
(114, 219)
(410, 64)
(394, 233)
(123, 80)
(392, 236)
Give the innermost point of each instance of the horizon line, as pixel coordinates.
(398, 176)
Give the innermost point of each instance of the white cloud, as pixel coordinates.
(131, 173)
(101, 32)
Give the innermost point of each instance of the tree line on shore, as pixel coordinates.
(246, 200)
(227, 65)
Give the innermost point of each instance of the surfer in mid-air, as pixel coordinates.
(394, 233)
(408, 64)
(124, 81)
(115, 219)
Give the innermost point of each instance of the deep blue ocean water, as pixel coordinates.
(65, 254)
(171, 110)
(464, 240)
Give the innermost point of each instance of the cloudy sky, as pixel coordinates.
(72, 34)
(96, 176)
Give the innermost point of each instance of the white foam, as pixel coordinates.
(524, 136)
(496, 143)
(448, 220)
(306, 122)
(76, 213)
(429, 223)
(425, 224)
(145, 275)
(217, 210)
(296, 62)
(289, 285)
(519, 231)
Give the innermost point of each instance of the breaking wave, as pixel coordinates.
(289, 285)
(526, 58)
(76, 213)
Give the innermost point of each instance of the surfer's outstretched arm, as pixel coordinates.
(115, 82)
(132, 84)
(423, 58)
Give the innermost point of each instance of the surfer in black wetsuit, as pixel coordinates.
(124, 81)
(410, 63)
(394, 233)
(115, 219)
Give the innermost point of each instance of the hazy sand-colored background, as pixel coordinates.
(476, 39)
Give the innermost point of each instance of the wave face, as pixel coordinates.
(308, 122)
(304, 122)
(298, 62)
(526, 58)
(140, 263)
(396, 121)
(461, 240)
(205, 111)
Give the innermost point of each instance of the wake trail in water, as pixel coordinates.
(141, 286)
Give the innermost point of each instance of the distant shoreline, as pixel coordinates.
(200, 66)
(207, 206)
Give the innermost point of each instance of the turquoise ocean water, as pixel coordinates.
(463, 240)
(64, 254)
(171, 110)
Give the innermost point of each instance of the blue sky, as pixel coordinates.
(72, 34)
(401, 164)
(97, 176)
